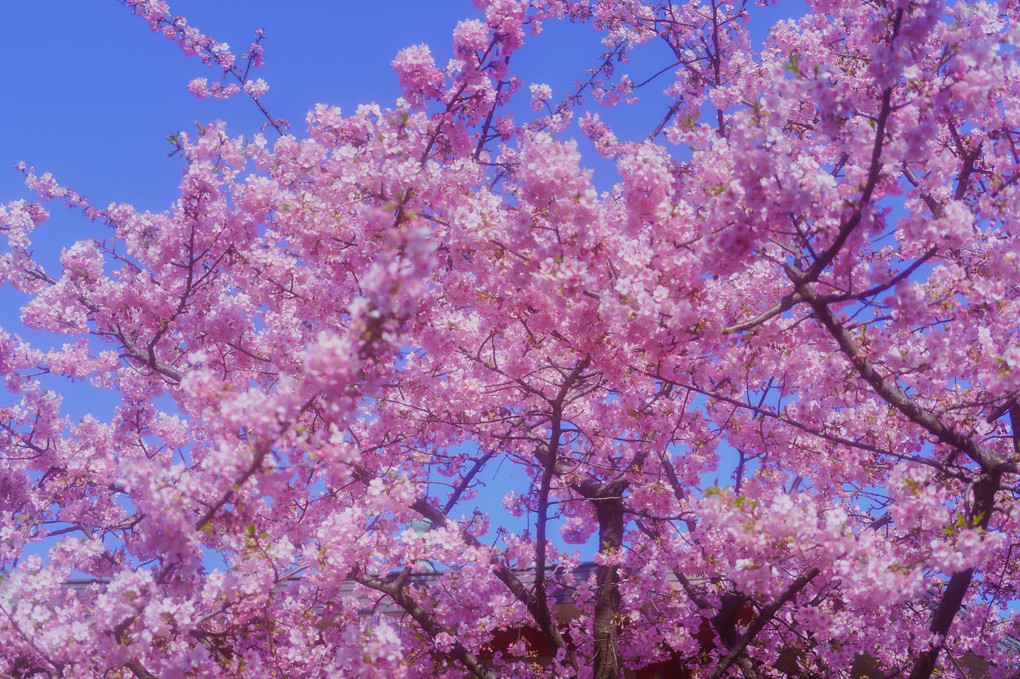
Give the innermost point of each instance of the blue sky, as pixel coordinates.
(91, 92)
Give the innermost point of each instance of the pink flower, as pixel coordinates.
(417, 73)
(200, 88)
(256, 88)
(539, 95)
(470, 36)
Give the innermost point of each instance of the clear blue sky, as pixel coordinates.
(90, 91)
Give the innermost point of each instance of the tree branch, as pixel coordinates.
(893, 395)
(764, 616)
(428, 623)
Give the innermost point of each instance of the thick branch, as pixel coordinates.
(785, 304)
(845, 229)
(256, 465)
(502, 573)
(542, 522)
(394, 589)
(764, 616)
(139, 670)
(874, 172)
(959, 583)
(609, 512)
(144, 357)
(544, 616)
(989, 460)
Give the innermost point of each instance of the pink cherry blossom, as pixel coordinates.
(429, 390)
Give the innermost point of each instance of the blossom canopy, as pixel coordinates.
(485, 383)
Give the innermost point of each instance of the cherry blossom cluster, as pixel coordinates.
(407, 393)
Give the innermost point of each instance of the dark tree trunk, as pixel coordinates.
(609, 511)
